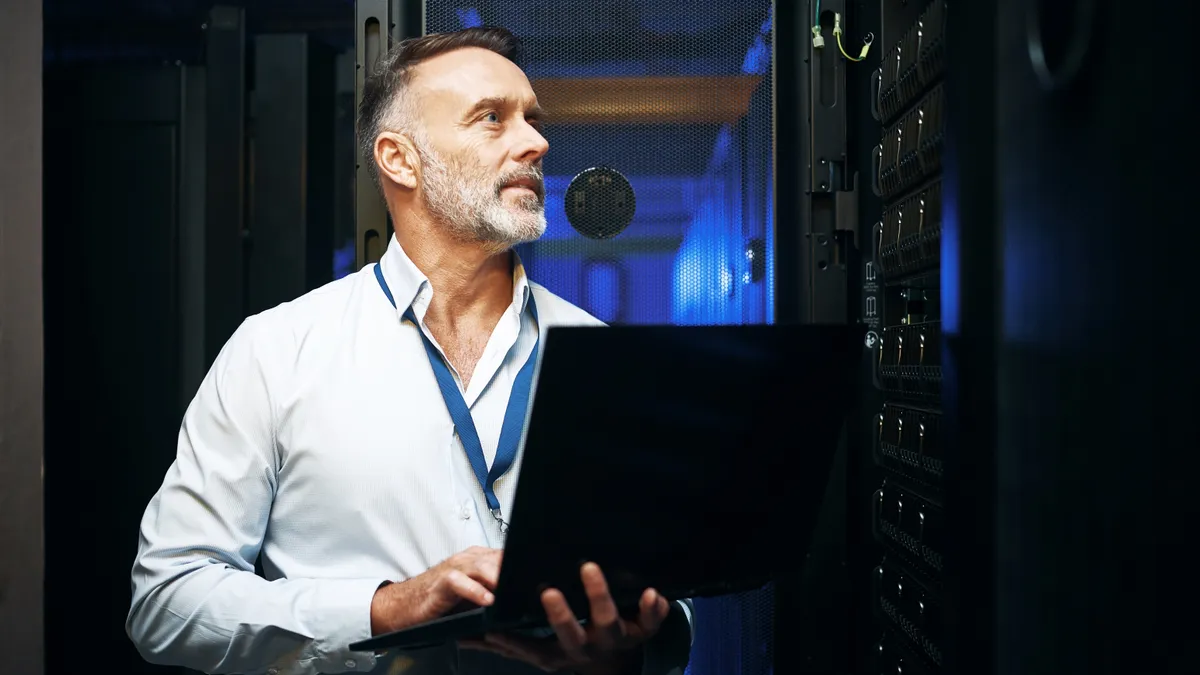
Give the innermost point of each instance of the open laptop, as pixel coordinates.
(688, 459)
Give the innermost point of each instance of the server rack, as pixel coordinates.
(378, 24)
(902, 303)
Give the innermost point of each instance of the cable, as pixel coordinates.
(818, 40)
(837, 34)
(861, 55)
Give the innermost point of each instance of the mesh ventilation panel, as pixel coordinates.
(675, 95)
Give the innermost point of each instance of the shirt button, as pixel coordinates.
(464, 513)
(350, 663)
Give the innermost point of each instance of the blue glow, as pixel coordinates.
(1041, 265)
(769, 226)
(469, 17)
(710, 259)
(757, 58)
(721, 148)
(951, 279)
(602, 293)
(343, 260)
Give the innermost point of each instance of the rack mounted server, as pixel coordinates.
(907, 513)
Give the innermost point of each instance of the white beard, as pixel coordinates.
(469, 204)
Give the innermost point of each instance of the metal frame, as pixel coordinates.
(831, 181)
(403, 19)
(815, 240)
(130, 261)
(788, 59)
(970, 358)
(865, 287)
(21, 340)
(291, 226)
(815, 214)
(225, 177)
(275, 254)
(192, 233)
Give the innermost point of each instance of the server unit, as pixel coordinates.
(902, 288)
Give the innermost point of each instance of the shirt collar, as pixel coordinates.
(411, 288)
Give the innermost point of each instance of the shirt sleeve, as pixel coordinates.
(670, 650)
(197, 602)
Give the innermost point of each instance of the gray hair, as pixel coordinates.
(385, 107)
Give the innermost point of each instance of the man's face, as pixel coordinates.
(481, 154)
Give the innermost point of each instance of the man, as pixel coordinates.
(321, 444)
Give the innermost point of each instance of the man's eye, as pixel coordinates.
(492, 118)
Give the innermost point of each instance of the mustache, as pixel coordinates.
(532, 173)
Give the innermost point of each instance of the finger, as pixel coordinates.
(572, 638)
(653, 610)
(476, 551)
(484, 569)
(466, 588)
(487, 571)
(604, 616)
(496, 555)
(662, 606)
(480, 563)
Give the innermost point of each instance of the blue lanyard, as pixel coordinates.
(464, 424)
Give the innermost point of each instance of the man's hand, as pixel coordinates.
(468, 577)
(607, 645)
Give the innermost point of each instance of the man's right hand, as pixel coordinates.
(468, 577)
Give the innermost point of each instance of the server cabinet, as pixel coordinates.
(902, 296)
(1028, 462)
(224, 262)
(125, 151)
(291, 225)
(1095, 444)
(377, 24)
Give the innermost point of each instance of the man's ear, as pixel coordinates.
(396, 157)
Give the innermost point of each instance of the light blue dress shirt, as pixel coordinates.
(320, 440)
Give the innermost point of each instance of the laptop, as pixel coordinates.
(688, 459)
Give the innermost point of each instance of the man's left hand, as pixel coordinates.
(607, 645)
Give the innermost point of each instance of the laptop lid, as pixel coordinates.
(688, 459)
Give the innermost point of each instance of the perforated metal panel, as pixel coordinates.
(677, 96)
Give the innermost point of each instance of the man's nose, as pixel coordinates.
(533, 146)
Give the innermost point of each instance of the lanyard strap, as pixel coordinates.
(464, 424)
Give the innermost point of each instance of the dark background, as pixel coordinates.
(1066, 297)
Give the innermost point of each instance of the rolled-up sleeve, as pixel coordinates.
(197, 602)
